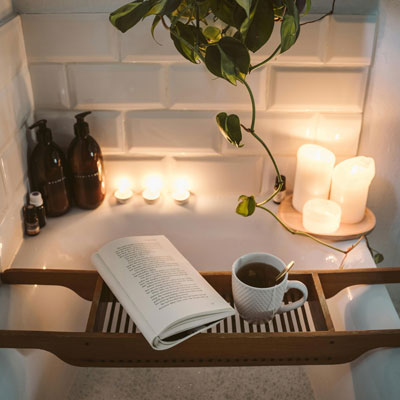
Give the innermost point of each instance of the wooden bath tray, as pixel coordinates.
(304, 336)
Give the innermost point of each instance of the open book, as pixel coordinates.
(165, 296)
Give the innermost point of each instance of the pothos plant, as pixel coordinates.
(222, 34)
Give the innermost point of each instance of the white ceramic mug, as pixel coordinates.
(256, 304)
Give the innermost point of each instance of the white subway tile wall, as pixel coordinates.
(71, 37)
(310, 47)
(12, 50)
(171, 132)
(148, 101)
(361, 30)
(49, 84)
(117, 86)
(6, 8)
(16, 109)
(317, 88)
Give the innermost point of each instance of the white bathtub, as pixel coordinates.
(211, 236)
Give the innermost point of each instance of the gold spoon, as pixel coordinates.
(287, 268)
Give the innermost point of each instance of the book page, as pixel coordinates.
(162, 283)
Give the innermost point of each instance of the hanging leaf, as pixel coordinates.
(184, 38)
(156, 20)
(258, 27)
(229, 12)
(308, 6)
(229, 126)
(163, 7)
(247, 205)
(378, 258)
(229, 59)
(246, 5)
(212, 34)
(290, 27)
(204, 8)
(130, 14)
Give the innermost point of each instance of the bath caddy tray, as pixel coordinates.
(304, 336)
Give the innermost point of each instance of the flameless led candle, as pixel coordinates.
(350, 183)
(181, 193)
(313, 174)
(321, 216)
(152, 189)
(123, 193)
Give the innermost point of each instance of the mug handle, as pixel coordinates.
(294, 285)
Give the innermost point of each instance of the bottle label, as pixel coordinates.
(57, 181)
(87, 176)
(32, 228)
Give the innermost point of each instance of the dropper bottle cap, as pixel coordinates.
(81, 127)
(44, 133)
(35, 198)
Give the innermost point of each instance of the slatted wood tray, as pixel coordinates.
(111, 339)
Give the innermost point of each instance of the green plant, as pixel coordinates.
(222, 34)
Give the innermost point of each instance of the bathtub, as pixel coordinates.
(211, 236)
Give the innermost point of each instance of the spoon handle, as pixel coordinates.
(285, 270)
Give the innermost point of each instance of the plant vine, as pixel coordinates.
(221, 34)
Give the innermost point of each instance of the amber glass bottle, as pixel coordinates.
(86, 164)
(47, 167)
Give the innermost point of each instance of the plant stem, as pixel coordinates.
(301, 233)
(252, 132)
(253, 110)
(325, 15)
(265, 61)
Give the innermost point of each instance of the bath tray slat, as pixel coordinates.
(304, 336)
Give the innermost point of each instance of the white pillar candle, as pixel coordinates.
(313, 174)
(350, 183)
(321, 216)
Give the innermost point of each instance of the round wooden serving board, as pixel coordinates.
(294, 220)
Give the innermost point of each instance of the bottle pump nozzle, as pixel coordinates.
(43, 133)
(81, 127)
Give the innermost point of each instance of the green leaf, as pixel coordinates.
(378, 258)
(130, 14)
(258, 27)
(227, 67)
(229, 12)
(212, 34)
(247, 205)
(308, 6)
(229, 126)
(229, 59)
(290, 27)
(246, 5)
(184, 38)
(163, 7)
(213, 61)
(156, 20)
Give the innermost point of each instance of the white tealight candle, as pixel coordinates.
(151, 195)
(321, 216)
(153, 186)
(181, 197)
(181, 193)
(313, 174)
(123, 196)
(124, 192)
(350, 183)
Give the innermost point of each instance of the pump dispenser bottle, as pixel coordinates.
(86, 163)
(47, 167)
